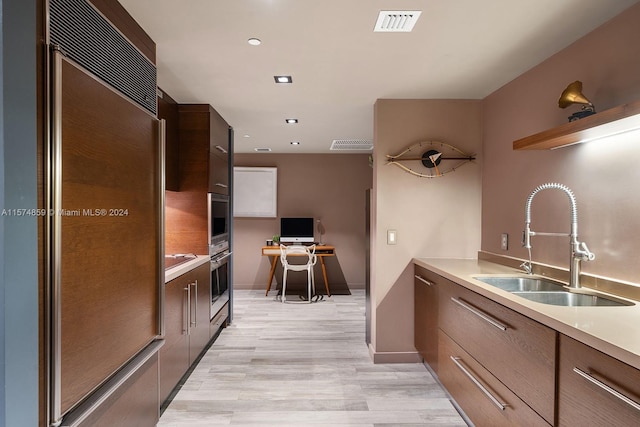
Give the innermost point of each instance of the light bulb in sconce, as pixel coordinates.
(321, 230)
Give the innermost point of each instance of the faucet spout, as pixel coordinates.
(579, 251)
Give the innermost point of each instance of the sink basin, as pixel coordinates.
(522, 284)
(547, 291)
(571, 299)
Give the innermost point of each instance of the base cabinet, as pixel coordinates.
(426, 316)
(595, 389)
(505, 369)
(518, 351)
(186, 325)
(484, 399)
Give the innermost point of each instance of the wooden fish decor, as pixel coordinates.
(431, 155)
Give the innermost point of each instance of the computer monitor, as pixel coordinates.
(296, 230)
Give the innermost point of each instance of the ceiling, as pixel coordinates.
(462, 49)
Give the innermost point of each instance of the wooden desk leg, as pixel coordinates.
(324, 274)
(271, 272)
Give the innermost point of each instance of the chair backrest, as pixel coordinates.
(298, 250)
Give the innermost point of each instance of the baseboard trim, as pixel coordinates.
(394, 356)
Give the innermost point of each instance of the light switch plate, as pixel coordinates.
(392, 236)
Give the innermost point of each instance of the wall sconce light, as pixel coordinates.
(573, 95)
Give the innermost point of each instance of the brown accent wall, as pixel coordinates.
(434, 217)
(328, 187)
(604, 175)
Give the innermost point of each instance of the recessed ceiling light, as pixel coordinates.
(283, 79)
(246, 135)
(291, 121)
(262, 150)
(295, 143)
(254, 41)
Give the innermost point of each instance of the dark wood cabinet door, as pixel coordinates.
(200, 305)
(426, 316)
(168, 110)
(174, 355)
(483, 398)
(594, 393)
(218, 154)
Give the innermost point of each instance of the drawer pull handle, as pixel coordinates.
(423, 280)
(483, 389)
(480, 314)
(635, 405)
(221, 149)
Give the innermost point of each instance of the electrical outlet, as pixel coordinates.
(504, 241)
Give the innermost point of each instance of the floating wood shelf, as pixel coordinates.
(616, 120)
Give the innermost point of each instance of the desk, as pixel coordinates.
(321, 252)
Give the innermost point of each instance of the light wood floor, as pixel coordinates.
(300, 364)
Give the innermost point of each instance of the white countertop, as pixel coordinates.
(180, 269)
(612, 330)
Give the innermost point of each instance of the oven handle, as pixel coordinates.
(222, 258)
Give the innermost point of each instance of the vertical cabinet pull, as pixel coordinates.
(483, 389)
(423, 280)
(186, 318)
(194, 313)
(480, 314)
(593, 380)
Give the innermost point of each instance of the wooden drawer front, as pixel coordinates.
(426, 316)
(485, 400)
(517, 350)
(598, 400)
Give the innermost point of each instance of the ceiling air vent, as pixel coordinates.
(262, 150)
(396, 21)
(351, 145)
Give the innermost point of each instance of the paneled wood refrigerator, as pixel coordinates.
(104, 250)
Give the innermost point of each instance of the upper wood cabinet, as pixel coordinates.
(204, 144)
(168, 110)
(606, 123)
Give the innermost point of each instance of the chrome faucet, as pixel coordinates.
(579, 251)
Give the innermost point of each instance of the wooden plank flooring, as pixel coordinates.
(300, 364)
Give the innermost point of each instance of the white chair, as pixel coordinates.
(298, 251)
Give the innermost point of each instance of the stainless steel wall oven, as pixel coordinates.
(218, 209)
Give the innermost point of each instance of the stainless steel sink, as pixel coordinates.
(522, 284)
(547, 291)
(571, 299)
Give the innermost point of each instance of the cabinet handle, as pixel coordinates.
(221, 149)
(483, 389)
(186, 318)
(423, 280)
(194, 312)
(635, 405)
(480, 314)
(219, 184)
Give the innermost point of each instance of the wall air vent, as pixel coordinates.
(396, 21)
(351, 145)
(85, 36)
